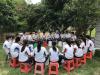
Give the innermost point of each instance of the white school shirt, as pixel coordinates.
(14, 50)
(79, 52)
(69, 51)
(68, 35)
(40, 56)
(90, 45)
(24, 56)
(83, 47)
(29, 37)
(6, 46)
(60, 44)
(50, 43)
(56, 35)
(54, 55)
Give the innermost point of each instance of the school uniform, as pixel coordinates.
(83, 47)
(68, 35)
(68, 51)
(6, 46)
(24, 37)
(54, 55)
(14, 50)
(41, 55)
(50, 43)
(78, 51)
(89, 45)
(60, 44)
(29, 37)
(24, 55)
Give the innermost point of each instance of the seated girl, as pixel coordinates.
(89, 44)
(78, 51)
(15, 48)
(40, 53)
(68, 52)
(25, 54)
(54, 53)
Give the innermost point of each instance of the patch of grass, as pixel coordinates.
(91, 68)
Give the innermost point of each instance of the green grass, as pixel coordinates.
(91, 68)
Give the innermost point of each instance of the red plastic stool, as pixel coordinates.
(45, 44)
(14, 63)
(77, 62)
(25, 67)
(39, 68)
(53, 68)
(69, 65)
(89, 55)
(83, 59)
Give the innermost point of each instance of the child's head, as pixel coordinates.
(88, 37)
(8, 37)
(53, 43)
(25, 42)
(17, 39)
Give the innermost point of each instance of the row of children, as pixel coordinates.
(70, 49)
(47, 35)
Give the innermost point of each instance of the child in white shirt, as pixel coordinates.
(15, 48)
(25, 54)
(6, 47)
(89, 44)
(40, 53)
(78, 50)
(54, 53)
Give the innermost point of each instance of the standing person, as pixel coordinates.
(25, 53)
(54, 53)
(15, 48)
(6, 47)
(40, 53)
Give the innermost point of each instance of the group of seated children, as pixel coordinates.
(40, 54)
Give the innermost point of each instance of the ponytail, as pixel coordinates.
(54, 46)
(25, 42)
(39, 46)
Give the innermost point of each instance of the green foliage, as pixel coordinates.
(49, 15)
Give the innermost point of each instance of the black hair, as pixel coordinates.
(25, 42)
(84, 40)
(88, 37)
(17, 39)
(68, 41)
(78, 43)
(39, 46)
(8, 37)
(54, 46)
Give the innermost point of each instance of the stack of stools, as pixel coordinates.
(69, 65)
(89, 55)
(77, 62)
(14, 63)
(83, 59)
(53, 68)
(25, 67)
(39, 68)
